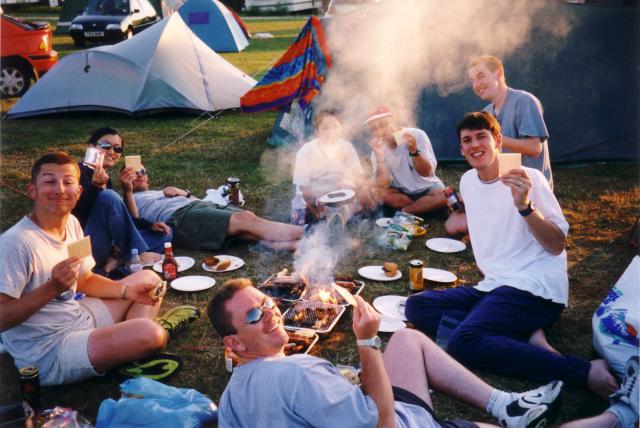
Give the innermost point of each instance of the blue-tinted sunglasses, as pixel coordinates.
(255, 314)
(105, 145)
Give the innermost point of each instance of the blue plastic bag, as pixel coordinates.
(147, 403)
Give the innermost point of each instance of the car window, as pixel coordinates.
(107, 7)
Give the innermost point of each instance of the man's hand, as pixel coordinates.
(127, 175)
(520, 184)
(412, 144)
(366, 320)
(161, 227)
(172, 192)
(64, 275)
(141, 293)
(377, 145)
(99, 177)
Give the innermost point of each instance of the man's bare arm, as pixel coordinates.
(530, 146)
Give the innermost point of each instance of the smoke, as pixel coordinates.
(387, 52)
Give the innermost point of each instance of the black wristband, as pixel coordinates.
(414, 154)
(525, 212)
(188, 195)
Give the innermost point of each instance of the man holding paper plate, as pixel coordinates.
(518, 234)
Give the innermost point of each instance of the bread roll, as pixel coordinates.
(390, 269)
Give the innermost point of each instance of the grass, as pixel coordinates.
(599, 201)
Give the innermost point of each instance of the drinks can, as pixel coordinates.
(453, 199)
(30, 386)
(233, 187)
(416, 282)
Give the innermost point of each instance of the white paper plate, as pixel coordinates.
(391, 306)
(438, 275)
(193, 283)
(375, 273)
(236, 263)
(184, 263)
(445, 245)
(384, 221)
(337, 196)
(389, 325)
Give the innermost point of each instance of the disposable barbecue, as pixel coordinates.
(327, 294)
(284, 286)
(317, 316)
(300, 341)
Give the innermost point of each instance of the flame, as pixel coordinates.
(327, 296)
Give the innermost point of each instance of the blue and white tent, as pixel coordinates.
(214, 24)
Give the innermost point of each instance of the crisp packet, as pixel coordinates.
(396, 237)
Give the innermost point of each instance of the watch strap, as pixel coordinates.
(525, 212)
(414, 154)
(373, 342)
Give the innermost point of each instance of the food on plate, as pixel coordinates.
(223, 264)
(211, 261)
(159, 291)
(390, 269)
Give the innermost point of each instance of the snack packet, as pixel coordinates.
(396, 237)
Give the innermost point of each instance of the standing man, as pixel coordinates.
(518, 234)
(66, 339)
(404, 165)
(520, 115)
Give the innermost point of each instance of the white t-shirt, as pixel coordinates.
(28, 257)
(154, 206)
(400, 165)
(506, 252)
(326, 167)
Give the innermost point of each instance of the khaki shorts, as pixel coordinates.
(72, 363)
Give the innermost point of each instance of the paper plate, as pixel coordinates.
(389, 325)
(184, 263)
(337, 196)
(375, 273)
(236, 263)
(445, 245)
(438, 275)
(383, 222)
(193, 283)
(391, 306)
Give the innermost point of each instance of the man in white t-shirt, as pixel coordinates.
(518, 234)
(326, 163)
(44, 327)
(403, 165)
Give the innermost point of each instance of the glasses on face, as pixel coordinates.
(142, 171)
(255, 314)
(106, 146)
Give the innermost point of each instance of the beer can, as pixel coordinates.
(416, 283)
(30, 386)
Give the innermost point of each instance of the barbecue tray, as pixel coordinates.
(310, 319)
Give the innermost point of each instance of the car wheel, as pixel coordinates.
(15, 79)
(79, 43)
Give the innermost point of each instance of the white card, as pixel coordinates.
(81, 248)
(133, 162)
(508, 161)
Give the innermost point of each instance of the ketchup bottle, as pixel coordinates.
(169, 264)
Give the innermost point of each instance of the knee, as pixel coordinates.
(407, 337)
(109, 197)
(240, 221)
(456, 224)
(153, 338)
(144, 276)
(417, 307)
(463, 343)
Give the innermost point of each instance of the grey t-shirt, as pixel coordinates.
(403, 174)
(28, 257)
(303, 391)
(522, 116)
(154, 206)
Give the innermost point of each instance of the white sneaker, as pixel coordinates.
(628, 392)
(532, 409)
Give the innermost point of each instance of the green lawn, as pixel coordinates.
(599, 201)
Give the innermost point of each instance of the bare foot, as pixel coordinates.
(149, 258)
(538, 338)
(600, 381)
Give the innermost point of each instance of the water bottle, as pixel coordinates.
(134, 263)
(298, 209)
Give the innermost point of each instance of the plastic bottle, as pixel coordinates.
(135, 265)
(169, 264)
(298, 209)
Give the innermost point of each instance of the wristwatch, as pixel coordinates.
(414, 154)
(530, 208)
(374, 343)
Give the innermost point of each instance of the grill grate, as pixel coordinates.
(316, 316)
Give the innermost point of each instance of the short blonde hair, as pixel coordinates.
(492, 63)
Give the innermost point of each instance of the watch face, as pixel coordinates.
(377, 343)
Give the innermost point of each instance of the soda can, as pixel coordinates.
(30, 386)
(233, 187)
(416, 282)
(453, 200)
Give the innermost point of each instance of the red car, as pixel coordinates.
(26, 54)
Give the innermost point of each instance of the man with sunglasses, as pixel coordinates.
(110, 220)
(404, 165)
(203, 225)
(269, 389)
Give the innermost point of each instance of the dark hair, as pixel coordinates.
(216, 309)
(479, 120)
(101, 132)
(58, 158)
(321, 114)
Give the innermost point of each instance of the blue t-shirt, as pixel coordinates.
(522, 116)
(303, 391)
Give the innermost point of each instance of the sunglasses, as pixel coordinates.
(108, 146)
(255, 314)
(142, 171)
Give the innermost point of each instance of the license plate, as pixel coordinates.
(94, 33)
